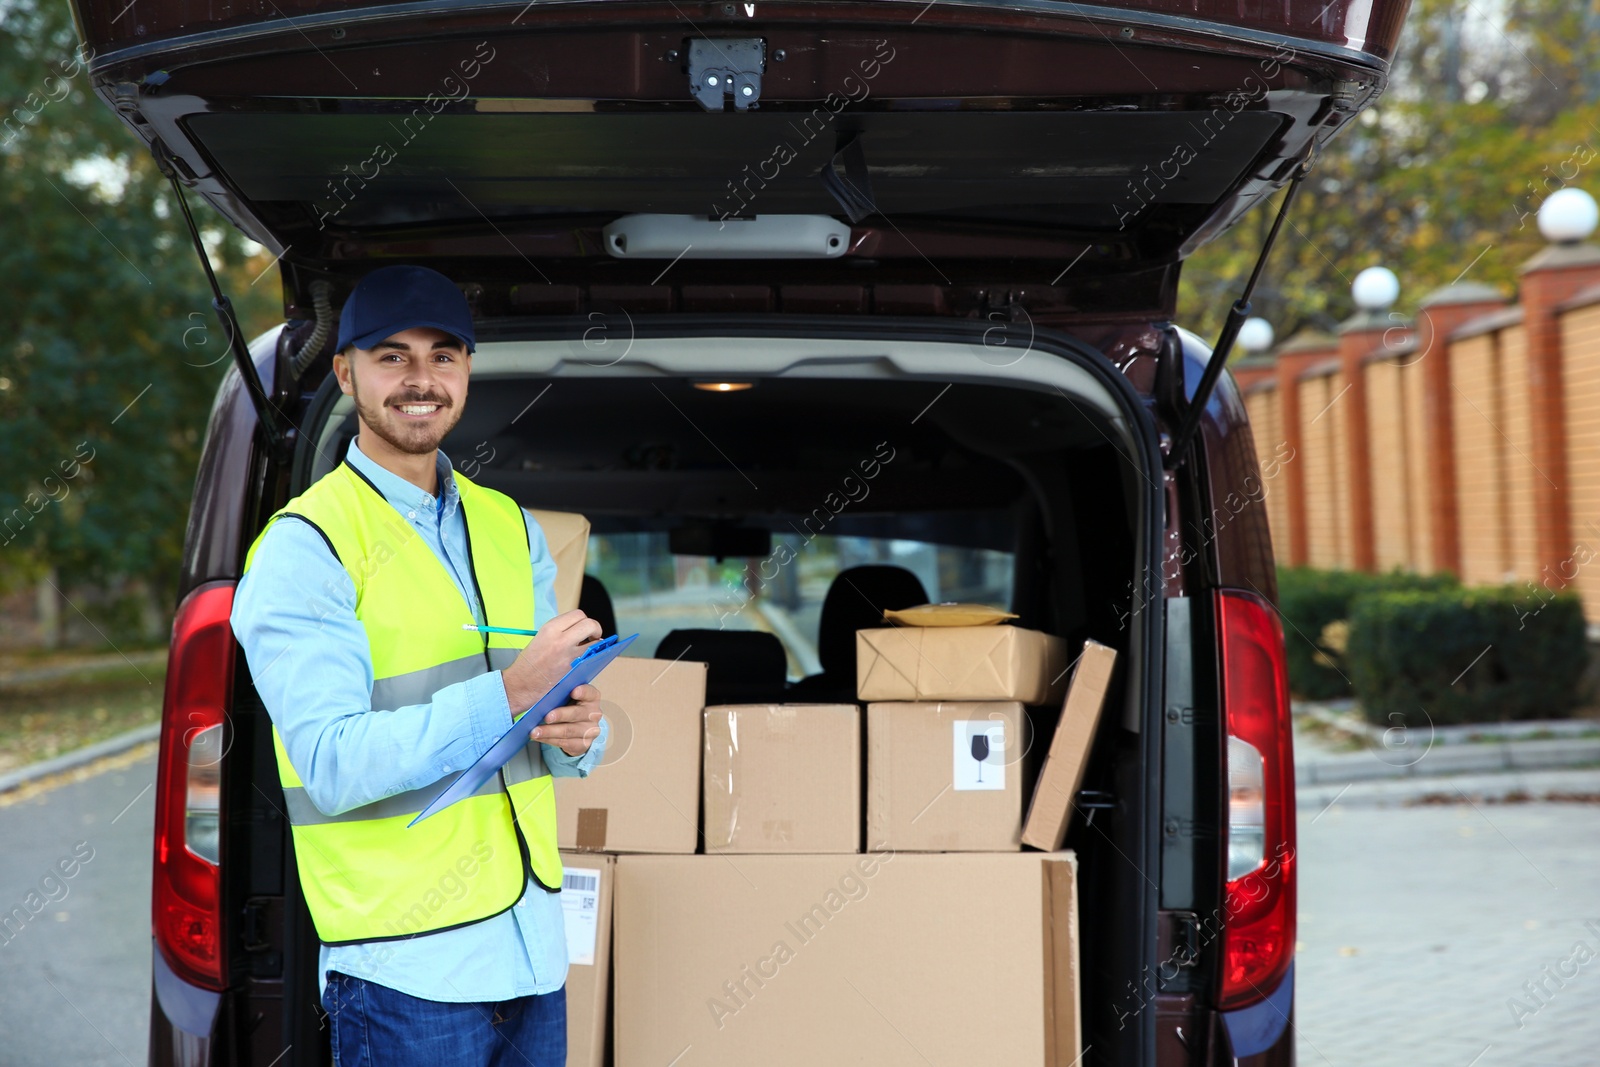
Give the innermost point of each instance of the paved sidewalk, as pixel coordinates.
(79, 757)
(1334, 747)
(1446, 935)
(1570, 786)
(14, 673)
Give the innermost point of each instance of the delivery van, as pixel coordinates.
(888, 282)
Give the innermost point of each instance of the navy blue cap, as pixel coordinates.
(393, 299)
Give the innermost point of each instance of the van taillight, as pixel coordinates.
(1259, 891)
(194, 736)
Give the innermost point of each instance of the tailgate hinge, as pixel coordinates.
(724, 69)
(273, 424)
(1230, 330)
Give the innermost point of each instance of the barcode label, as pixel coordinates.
(580, 910)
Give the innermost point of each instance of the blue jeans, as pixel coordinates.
(375, 1026)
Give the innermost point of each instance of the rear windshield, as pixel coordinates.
(655, 592)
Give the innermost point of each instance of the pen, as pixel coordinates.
(498, 630)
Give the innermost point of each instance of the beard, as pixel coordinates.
(402, 434)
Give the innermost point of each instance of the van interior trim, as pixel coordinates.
(780, 357)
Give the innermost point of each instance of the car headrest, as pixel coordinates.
(742, 666)
(857, 600)
(595, 602)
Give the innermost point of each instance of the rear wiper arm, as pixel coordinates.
(1230, 330)
(272, 422)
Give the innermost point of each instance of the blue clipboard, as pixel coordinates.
(584, 669)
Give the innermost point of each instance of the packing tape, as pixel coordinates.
(591, 829)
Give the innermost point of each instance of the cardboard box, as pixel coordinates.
(960, 663)
(645, 794)
(884, 959)
(568, 536)
(586, 894)
(927, 791)
(783, 778)
(1062, 774)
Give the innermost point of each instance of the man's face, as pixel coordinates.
(409, 388)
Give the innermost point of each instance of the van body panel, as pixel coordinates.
(1353, 29)
(226, 487)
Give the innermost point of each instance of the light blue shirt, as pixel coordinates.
(294, 614)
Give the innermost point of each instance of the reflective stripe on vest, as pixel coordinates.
(365, 875)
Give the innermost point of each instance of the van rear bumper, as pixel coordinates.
(181, 1017)
(1263, 1033)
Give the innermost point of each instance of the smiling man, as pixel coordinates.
(444, 942)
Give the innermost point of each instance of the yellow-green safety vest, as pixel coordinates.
(365, 876)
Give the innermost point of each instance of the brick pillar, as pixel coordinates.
(1295, 356)
(1439, 315)
(1550, 277)
(1358, 337)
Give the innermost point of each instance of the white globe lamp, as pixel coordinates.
(1375, 289)
(1255, 335)
(1568, 216)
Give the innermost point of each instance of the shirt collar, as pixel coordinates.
(403, 494)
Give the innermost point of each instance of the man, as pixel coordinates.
(444, 942)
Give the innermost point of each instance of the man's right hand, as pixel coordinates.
(547, 657)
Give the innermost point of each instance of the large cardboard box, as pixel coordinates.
(586, 895)
(783, 778)
(645, 794)
(945, 777)
(568, 536)
(884, 959)
(960, 663)
(1062, 774)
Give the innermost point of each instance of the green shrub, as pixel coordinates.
(1311, 600)
(1411, 650)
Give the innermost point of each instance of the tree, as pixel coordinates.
(109, 354)
(1441, 180)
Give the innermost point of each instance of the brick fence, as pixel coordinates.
(1466, 440)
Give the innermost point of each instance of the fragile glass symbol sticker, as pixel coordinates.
(979, 754)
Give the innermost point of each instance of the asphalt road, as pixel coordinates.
(75, 978)
(1420, 930)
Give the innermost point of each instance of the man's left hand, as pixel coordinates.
(573, 728)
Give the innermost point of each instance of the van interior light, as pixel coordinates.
(677, 237)
(724, 387)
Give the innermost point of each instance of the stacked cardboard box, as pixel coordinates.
(884, 959)
(960, 663)
(945, 776)
(586, 895)
(784, 943)
(566, 534)
(783, 778)
(1062, 774)
(643, 797)
(645, 794)
(949, 756)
